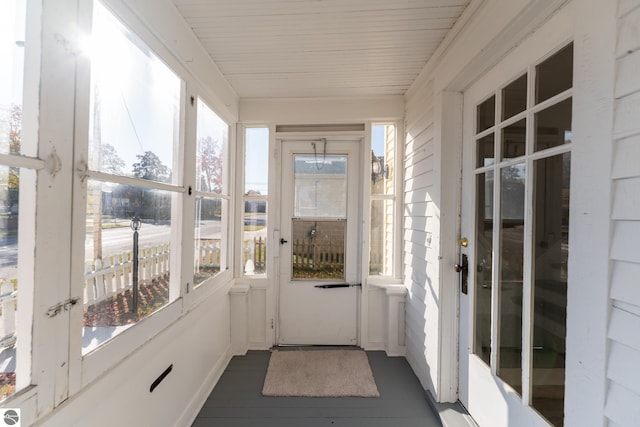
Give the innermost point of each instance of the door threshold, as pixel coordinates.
(312, 347)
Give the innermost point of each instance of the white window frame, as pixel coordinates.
(226, 245)
(31, 170)
(242, 198)
(398, 166)
(85, 369)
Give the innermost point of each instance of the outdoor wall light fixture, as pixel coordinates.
(379, 168)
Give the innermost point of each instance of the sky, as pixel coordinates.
(11, 31)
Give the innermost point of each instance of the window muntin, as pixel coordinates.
(212, 195)
(533, 170)
(382, 209)
(131, 190)
(255, 199)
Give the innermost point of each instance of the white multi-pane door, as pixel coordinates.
(515, 217)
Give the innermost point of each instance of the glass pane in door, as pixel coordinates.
(318, 249)
(483, 259)
(514, 97)
(551, 252)
(320, 186)
(512, 196)
(486, 114)
(320, 211)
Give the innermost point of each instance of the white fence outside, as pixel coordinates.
(105, 278)
(8, 299)
(108, 277)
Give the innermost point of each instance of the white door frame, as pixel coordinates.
(465, 60)
(352, 146)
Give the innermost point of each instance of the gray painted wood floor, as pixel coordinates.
(236, 401)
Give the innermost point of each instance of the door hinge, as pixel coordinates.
(62, 306)
(273, 323)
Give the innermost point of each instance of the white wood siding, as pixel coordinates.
(420, 257)
(623, 395)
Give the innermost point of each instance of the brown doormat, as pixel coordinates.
(321, 373)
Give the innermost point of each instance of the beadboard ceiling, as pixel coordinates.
(320, 48)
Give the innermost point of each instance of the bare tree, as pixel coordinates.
(149, 166)
(210, 164)
(111, 161)
(15, 140)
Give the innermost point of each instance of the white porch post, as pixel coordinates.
(239, 300)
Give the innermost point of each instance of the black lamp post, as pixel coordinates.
(136, 224)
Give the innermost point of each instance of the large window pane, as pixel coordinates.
(555, 75)
(256, 180)
(551, 252)
(383, 201)
(320, 186)
(553, 125)
(9, 193)
(383, 144)
(514, 140)
(511, 264)
(210, 252)
(135, 105)
(485, 151)
(256, 160)
(12, 42)
(514, 97)
(484, 259)
(211, 212)
(110, 258)
(12, 34)
(213, 141)
(318, 249)
(381, 238)
(254, 243)
(486, 114)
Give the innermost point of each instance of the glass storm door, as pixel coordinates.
(319, 243)
(515, 216)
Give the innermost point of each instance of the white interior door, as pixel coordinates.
(319, 259)
(515, 216)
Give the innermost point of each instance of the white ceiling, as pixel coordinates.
(320, 48)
